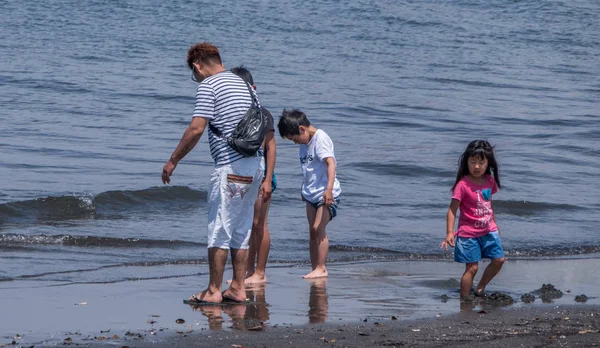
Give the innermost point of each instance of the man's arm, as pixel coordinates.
(190, 138)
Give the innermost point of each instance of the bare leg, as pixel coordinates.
(311, 215)
(260, 243)
(490, 272)
(236, 291)
(216, 264)
(466, 282)
(319, 243)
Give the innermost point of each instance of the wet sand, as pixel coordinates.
(145, 313)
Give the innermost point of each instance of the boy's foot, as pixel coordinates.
(256, 279)
(317, 273)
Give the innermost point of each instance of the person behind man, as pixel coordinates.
(260, 240)
(222, 100)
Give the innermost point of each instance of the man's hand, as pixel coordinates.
(265, 190)
(328, 197)
(168, 171)
(448, 241)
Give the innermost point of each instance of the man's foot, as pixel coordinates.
(235, 296)
(317, 273)
(256, 279)
(205, 296)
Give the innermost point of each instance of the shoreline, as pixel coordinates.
(411, 291)
(545, 325)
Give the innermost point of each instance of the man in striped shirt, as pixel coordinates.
(222, 100)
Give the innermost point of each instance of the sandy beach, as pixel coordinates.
(360, 304)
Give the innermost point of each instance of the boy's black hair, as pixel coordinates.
(290, 122)
(481, 149)
(244, 74)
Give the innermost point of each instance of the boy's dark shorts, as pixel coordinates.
(332, 208)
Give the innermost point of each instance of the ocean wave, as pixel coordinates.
(87, 206)
(401, 170)
(525, 208)
(12, 239)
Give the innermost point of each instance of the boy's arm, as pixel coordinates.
(328, 195)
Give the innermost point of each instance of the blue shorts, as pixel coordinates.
(332, 208)
(470, 250)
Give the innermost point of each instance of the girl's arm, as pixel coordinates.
(328, 195)
(450, 219)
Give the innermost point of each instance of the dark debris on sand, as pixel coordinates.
(548, 293)
(574, 326)
(528, 298)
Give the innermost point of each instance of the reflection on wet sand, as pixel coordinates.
(259, 309)
(317, 302)
(243, 316)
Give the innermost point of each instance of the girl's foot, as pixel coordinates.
(480, 293)
(317, 273)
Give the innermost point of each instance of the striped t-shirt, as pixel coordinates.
(224, 100)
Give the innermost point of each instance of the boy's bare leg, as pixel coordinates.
(319, 243)
(490, 272)
(311, 215)
(236, 291)
(466, 282)
(216, 264)
(260, 243)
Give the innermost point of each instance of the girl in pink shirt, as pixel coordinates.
(477, 234)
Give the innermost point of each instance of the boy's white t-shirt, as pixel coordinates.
(314, 168)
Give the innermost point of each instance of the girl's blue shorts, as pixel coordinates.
(470, 250)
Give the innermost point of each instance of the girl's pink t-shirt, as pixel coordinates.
(476, 217)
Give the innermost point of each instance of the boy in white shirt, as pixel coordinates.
(320, 187)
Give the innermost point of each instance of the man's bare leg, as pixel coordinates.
(260, 243)
(236, 291)
(319, 243)
(216, 264)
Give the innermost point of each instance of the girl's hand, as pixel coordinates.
(448, 241)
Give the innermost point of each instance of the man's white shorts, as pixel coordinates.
(233, 189)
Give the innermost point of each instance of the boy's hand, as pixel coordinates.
(265, 190)
(328, 197)
(448, 241)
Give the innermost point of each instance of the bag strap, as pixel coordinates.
(254, 103)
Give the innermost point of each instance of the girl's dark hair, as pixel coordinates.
(290, 122)
(481, 149)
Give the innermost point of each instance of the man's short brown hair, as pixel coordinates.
(205, 53)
